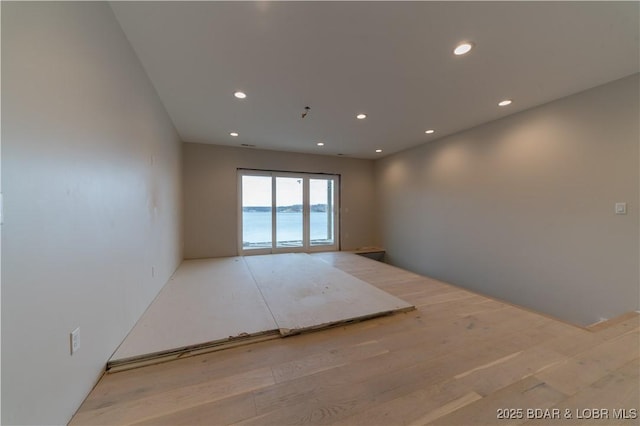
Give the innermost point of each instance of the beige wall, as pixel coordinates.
(523, 208)
(91, 183)
(211, 194)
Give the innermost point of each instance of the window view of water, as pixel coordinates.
(289, 196)
(257, 228)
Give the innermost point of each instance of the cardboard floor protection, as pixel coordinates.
(209, 304)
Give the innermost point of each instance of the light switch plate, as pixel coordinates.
(621, 208)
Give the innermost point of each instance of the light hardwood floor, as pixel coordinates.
(458, 359)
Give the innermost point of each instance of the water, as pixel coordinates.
(256, 228)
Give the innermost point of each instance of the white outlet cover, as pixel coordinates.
(621, 208)
(75, 340)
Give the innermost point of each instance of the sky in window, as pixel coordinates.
(256, 191)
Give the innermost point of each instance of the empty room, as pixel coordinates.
(355, 213)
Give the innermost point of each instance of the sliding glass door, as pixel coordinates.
(287, 212)
(289, 209)
(256, 212)
(322, 222)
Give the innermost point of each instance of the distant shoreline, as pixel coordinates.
(296, 208)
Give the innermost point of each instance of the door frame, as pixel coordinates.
(306, 226)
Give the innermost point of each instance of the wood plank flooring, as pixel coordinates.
(457, 360)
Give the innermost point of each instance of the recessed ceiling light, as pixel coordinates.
(234, 134)
(240, 95)
(320, 144)
(361, 116)
(378, 150)
(430, 131)
(504, 102)
(463, 48)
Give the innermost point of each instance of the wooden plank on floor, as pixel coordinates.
(225, 411)
(306, 293)
(629, 317)
(390, 370)
(505, 371)
(337, 343)
(326, 360)
(407, 407)
(524, 394)
(591, 365)
(616, 327)
(447, 408)
(206, 301)
(351, 389)
(171, 401)
(145, 360)
(616, 396)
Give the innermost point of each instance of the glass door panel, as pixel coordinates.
(256, 212)
(322, 212)
(289, 212)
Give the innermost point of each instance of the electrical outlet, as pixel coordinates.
(621, 208)
(75, 340)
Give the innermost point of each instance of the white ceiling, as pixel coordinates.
(390, 60)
